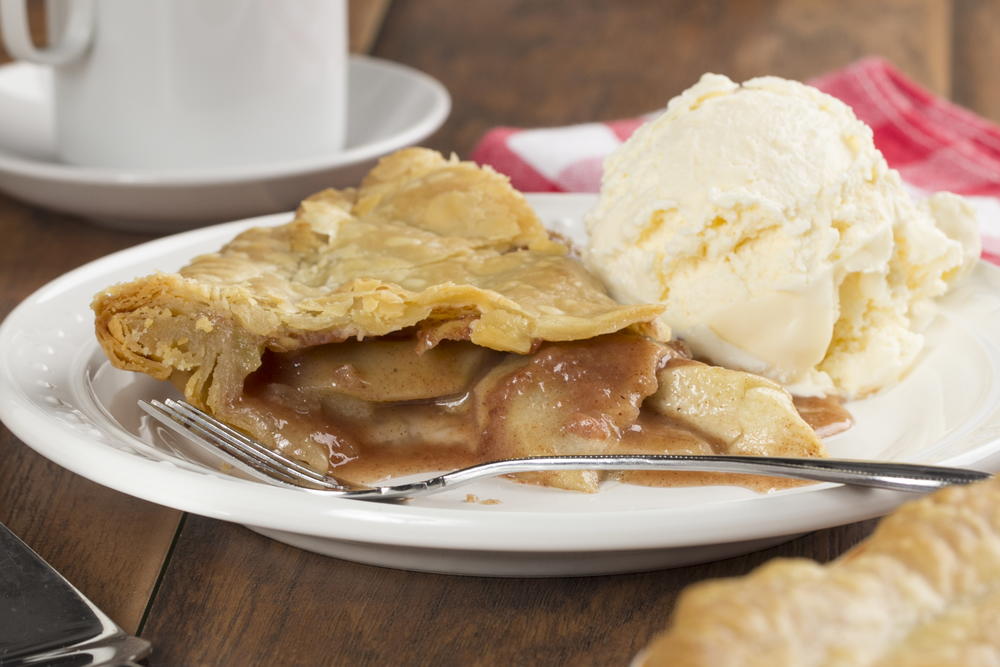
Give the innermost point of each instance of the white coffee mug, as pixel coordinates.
(161, 84)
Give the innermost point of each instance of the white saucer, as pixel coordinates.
(389, 106)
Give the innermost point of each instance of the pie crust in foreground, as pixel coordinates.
(922, 591)
(427, 320)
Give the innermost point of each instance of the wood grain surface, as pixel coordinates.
(109, 545)
(551, 63)
(364, 23)
(210, 593)
(230, 592)
(975, 62)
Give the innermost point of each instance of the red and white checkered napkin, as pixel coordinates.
(934, 144)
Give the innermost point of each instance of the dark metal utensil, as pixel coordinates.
(44, 620)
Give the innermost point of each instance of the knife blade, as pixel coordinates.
(44, 619)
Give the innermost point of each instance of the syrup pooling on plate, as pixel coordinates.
(825, 414)
(383, 408)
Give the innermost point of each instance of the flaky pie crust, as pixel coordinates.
(424, 240)
(924, 589)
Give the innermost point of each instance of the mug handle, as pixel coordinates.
(68, 46)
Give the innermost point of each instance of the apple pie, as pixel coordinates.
(427, 320)
(924, 589)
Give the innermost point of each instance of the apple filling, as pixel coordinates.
(385, 407)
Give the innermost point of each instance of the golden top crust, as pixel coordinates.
(423, 239)
(924, 589)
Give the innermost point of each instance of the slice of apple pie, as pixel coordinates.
(427, 320)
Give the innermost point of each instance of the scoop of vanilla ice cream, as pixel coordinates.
(765, 220)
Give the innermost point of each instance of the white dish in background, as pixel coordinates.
(389, 106)
(64, 400)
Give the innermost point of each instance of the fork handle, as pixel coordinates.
(884, 475)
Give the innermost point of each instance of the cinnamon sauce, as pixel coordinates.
(583, 395)
(825, 414)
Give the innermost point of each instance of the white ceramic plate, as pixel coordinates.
(389, 106)
(61, 397)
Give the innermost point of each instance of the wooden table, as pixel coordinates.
(207, 592)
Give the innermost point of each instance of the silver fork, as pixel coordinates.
(209, 432)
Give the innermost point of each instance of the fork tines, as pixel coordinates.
(184, 418)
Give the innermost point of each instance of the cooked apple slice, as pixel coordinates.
(735, 412)
(383, 371)
(568, 398)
